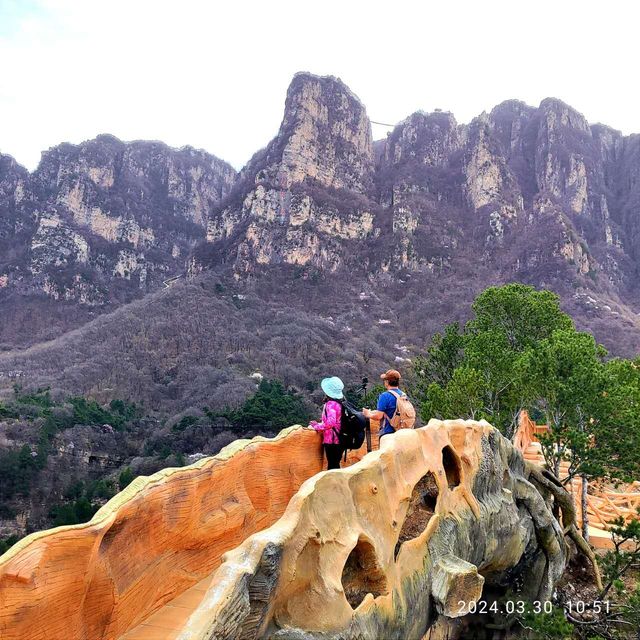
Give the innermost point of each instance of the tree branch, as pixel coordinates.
(544, 478)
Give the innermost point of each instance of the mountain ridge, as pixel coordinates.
(535, 194)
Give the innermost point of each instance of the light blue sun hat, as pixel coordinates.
(333, 387)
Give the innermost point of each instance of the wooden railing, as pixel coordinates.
(605, 502)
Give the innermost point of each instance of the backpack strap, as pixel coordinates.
(397, 396)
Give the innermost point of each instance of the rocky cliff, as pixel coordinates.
(535, 194)
(406, 230)
(541, 194)
(300, 199)
(104, 220)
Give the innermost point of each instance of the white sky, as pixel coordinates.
(214, 74)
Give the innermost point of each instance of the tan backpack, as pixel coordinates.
(405, 415)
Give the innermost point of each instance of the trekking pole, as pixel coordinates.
(367, 429)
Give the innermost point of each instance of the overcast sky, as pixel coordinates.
(214, 74)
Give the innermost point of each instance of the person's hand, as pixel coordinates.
(366, 413)
(311, 427)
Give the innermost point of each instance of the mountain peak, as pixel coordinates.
(557, 112)
(325, 135)
(329, 83)
(426, 137)
(511, 108)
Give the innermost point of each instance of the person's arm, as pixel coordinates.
(331, 419)
(380, 412)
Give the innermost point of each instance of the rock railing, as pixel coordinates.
(149, 543)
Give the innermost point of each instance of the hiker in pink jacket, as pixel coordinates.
(329, 427)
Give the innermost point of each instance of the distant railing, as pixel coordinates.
(605, 502)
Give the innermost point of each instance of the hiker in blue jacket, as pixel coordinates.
(387, 402)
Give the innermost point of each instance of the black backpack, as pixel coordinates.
(353, 426)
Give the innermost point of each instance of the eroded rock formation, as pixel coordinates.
(301, 198)
(398, 544)
(414, 533)
(158, 537)
(105, 212)
(437, 184)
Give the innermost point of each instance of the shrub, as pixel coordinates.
(7, 543)
(7, 411)
(272, 407)
(126, 478)
(76, 512)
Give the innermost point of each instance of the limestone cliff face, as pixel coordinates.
(569, 168)
(532, 193)
(419, 180)
(106, 211)
(17, 219)
(13, 193)
(439, 189)
(425, 138)
(490, 186)
(325, 135)
(299, 199)
(131, 181)
(621, 177)
(511, 173)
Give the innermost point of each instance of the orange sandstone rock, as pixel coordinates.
(161, 535)
(388, 547)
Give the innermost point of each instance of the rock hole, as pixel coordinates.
(422, 506)
(451, 464)
(362, 574)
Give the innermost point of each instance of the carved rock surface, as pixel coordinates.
(332, 567)
(443, 511)
(151, 542)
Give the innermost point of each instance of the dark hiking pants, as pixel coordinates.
(333, 453)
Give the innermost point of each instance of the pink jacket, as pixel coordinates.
(331, 414)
